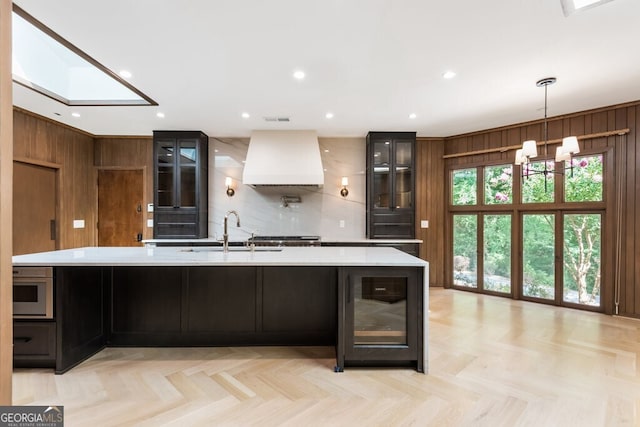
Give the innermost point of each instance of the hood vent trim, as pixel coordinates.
(283, 158)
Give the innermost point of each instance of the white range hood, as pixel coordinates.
(283, 158)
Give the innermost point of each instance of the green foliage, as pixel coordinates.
(535, 188)
(585, 183)
(465, 187)
(498, 184)
(465, 247)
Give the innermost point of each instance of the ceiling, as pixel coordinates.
(369, 62)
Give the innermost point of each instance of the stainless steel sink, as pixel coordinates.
(234, 249)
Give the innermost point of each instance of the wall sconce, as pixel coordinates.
(344, 192)
(227, 183)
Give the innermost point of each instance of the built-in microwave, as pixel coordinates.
(33, 292)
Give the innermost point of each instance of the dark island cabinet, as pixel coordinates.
(81, 298)
(381, 317)
(146, 305)
(180, 184)
(224, 305)
(390, 185)
(221, 300)
(300, 304)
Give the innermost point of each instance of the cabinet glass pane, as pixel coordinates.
(187, 186)
(403, 153)
(381, 153)
(381, 175)
(165, 153)
(187, 154)
(403, 187)
(165, 185)
(380, 311)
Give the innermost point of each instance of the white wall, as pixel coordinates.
(261, 210)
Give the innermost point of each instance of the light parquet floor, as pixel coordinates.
(493, 362)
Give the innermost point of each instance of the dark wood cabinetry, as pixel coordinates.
(180, 184)
(390, 185)
(160, 306)
(374, 315)
(34, 343)
(381, 323)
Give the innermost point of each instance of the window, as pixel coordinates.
(465, 186)
(498, 184)
(583, 182)
(465, 249)
(582, 259)
(558, 245)
(497, 253)
(535, 188)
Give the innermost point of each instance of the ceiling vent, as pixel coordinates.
(276, 119)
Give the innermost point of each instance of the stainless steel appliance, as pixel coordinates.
(286, 240)
(33, 292)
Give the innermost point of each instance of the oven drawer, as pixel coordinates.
(34, 341)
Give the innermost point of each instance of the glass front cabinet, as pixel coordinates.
(180, 184)
(382, 317)
(390, 185)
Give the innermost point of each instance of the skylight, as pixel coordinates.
(47, 63)
(572, 6)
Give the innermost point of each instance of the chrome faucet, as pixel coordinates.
(225, 235)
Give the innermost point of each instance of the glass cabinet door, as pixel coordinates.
(381, 174)
(382, 320)
(380, 311)
(165, 174)
(403, 174)
(187, 165)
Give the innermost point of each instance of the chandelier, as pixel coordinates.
(529, 148)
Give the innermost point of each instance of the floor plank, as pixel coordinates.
(493, 362)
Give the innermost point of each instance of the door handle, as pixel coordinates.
(139, 208)
(52, 229)
(22, 339)
(139, 237)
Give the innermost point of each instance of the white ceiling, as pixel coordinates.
(370, 62)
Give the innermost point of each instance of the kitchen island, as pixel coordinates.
(202, 296)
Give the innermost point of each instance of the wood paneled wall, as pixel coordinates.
(40, 141)
(430, 203)
(6, 206)
(624, 165)
(129, 152)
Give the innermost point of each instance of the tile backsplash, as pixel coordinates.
(321, 211)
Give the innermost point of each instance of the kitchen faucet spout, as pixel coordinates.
(225, 235)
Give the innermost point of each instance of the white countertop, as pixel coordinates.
(203, 256)
(327, 240)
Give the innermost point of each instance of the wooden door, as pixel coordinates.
(34, 208)
(120, 211)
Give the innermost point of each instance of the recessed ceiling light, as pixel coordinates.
(326, 151)
(412, 116)
(448, 74)
(125, 74)
(329, 115)
(160, 115)
(75, 114)
(245, 115)
(298, 74)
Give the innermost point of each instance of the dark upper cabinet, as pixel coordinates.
(390, 185)
(180, 185)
